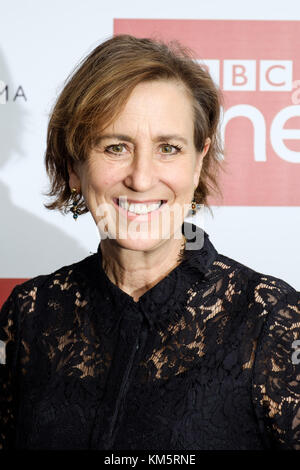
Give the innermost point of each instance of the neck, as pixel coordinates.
(135, 272)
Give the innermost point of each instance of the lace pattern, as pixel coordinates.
(204, 360)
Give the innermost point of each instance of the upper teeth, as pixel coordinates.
(139, 208)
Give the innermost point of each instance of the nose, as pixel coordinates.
(142, 174)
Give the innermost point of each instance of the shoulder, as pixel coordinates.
(62, 277)
(249, 299)
(256, 287)
(24, 296)
(39, 301)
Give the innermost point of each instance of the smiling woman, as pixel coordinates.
(156, 341)
(98, 91)
(144, 168)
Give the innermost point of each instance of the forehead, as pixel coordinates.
(156, 106)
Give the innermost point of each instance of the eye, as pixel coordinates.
(168, 149)
(115, 148)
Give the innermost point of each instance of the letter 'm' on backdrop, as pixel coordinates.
(253, 56)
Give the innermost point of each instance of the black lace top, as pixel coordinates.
(206, 359)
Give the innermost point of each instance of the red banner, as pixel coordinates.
(256, 64)
(6, 286)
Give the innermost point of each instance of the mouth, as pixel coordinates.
(135, 209)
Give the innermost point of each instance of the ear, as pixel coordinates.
(199, 161)
(74, 180)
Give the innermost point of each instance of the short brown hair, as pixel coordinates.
(97, 91)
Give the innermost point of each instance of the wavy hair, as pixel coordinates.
(97, 91)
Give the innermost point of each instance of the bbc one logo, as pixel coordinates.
(10, 94)
(246, 76)
(256, 65)
(241, 75)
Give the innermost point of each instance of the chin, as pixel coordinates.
(139, 243)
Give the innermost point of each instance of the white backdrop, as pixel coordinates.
(40, 43)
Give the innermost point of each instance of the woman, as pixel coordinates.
(156, 341)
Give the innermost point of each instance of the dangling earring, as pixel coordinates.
(74, 208)
(194, 207)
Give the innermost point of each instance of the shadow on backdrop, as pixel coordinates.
(28, 244)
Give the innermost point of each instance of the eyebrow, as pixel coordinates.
(127, 138)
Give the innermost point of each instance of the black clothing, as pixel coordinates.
(204, 360)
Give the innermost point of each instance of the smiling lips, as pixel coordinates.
(138, 207)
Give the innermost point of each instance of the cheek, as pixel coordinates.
(99, 178)
(181, 179)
